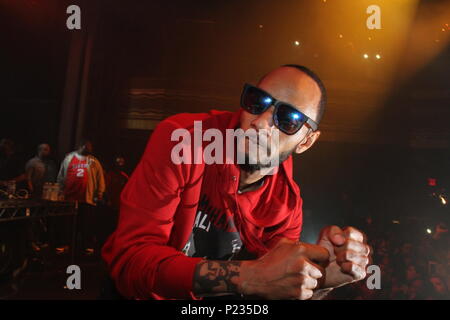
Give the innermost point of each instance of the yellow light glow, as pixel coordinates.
(366, 56)
(296, 43)
(443, 201)
(378, 56)
(429, 231)
(341, 36)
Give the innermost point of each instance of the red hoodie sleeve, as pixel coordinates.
(138, 255)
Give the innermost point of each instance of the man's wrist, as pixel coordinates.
(245, 285)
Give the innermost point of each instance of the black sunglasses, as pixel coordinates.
(285, 116)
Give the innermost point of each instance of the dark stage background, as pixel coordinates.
(133, 63)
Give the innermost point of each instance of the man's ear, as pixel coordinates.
(307, 143)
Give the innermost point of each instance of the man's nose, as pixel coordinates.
(264, 120)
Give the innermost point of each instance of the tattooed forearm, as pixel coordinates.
(216, 277)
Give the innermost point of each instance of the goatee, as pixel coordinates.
(251, 168)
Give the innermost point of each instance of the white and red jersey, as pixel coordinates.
(76, 179)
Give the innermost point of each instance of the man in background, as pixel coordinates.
(40, 169)
(81, 179)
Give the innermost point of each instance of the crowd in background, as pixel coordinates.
(416, 267)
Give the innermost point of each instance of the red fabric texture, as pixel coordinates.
(159, 204)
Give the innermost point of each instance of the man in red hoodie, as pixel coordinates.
(194, 230)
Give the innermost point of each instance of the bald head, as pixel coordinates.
(43, 150)
(298, 86)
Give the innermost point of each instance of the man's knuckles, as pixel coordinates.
(309, 283)
(358, 272)
(352, 256)
(354, 234)
(304, 293)
(353, 245)
(355, 270)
